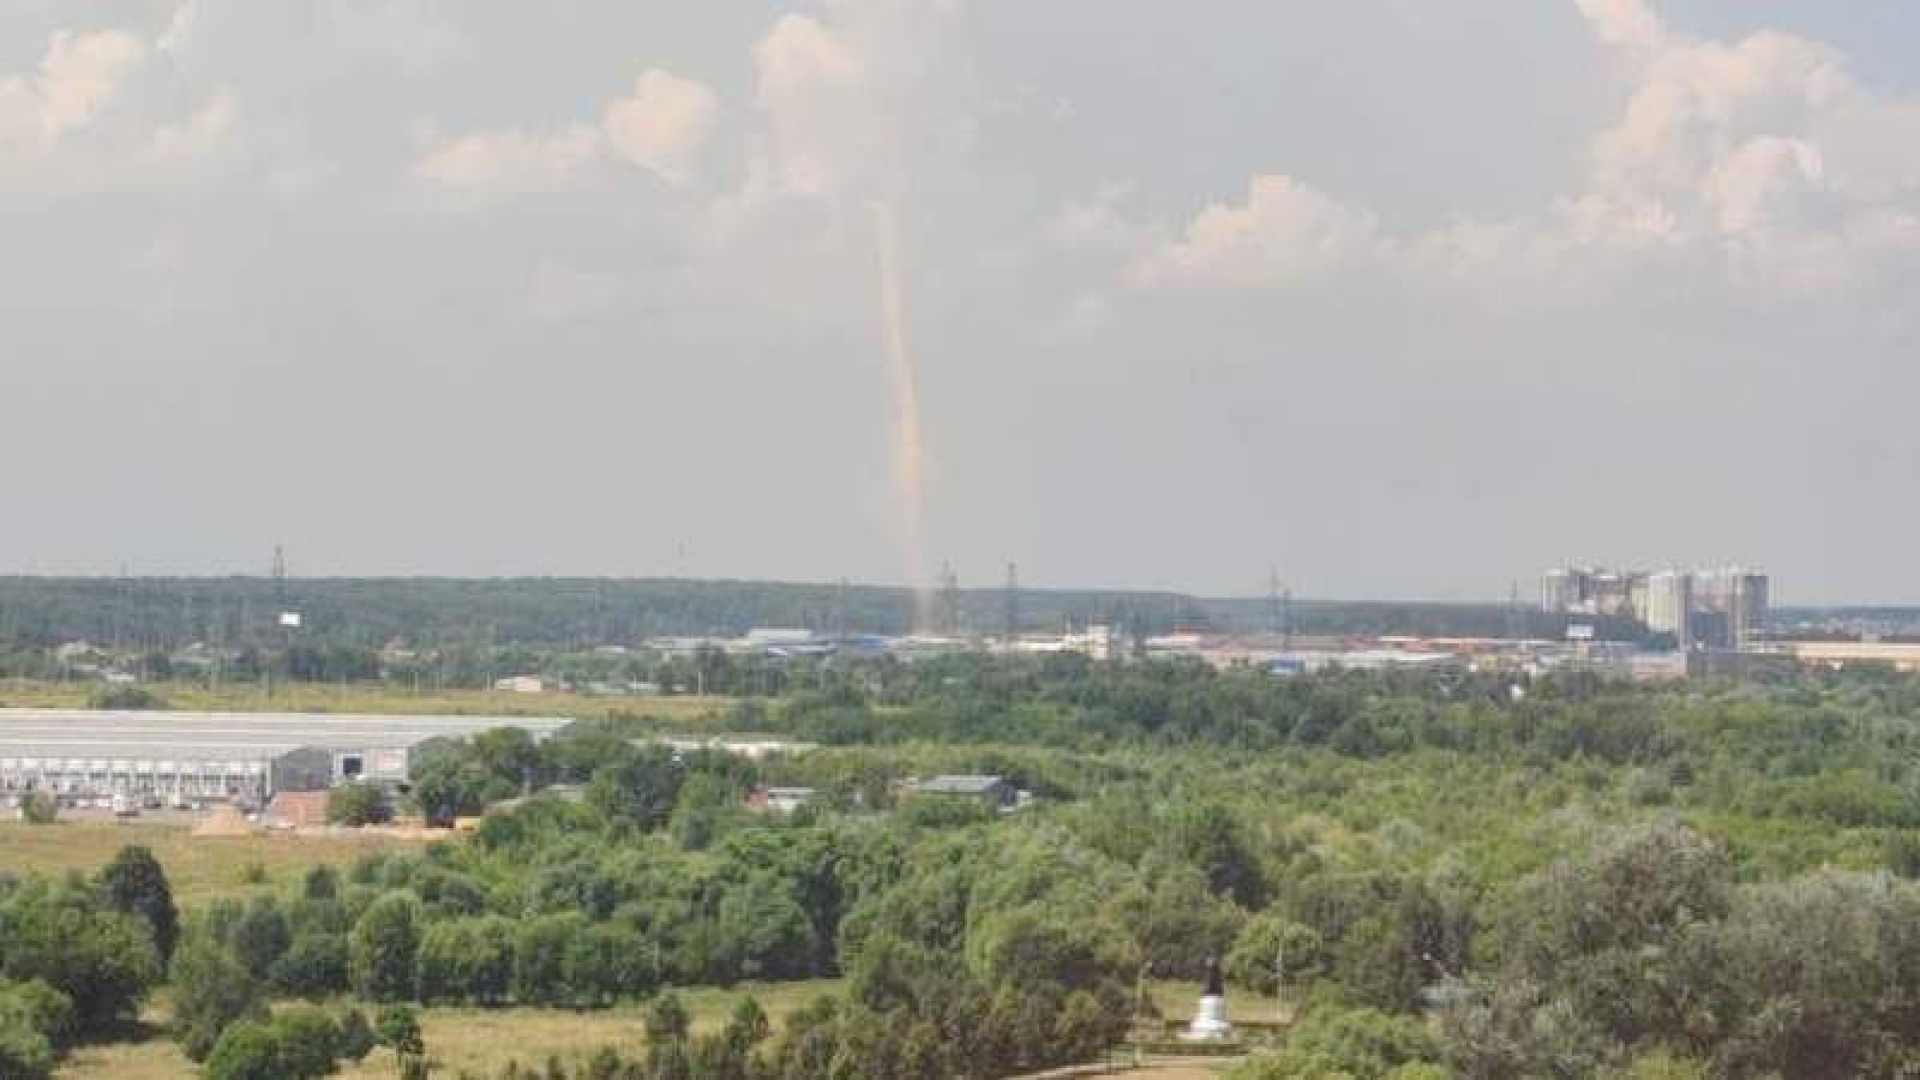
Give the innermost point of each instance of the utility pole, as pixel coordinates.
(1012, 629)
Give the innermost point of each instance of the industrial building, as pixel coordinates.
(182, 756)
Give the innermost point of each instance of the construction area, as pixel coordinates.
(181, 759)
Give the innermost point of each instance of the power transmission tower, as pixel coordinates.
(1280, 610)
(1012, 628)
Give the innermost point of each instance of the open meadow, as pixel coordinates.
(200, 868)
(481, 1040)
(676, 710)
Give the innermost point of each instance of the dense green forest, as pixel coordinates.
(1469, 876)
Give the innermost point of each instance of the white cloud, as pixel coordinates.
(1762, 163)
(79, 75)
(194, 137)
(498, 163)
(178, 35)
(95, 113)
(1628, 23)
(665, 126)
(865, 100)
(813, 90)
(1283, 232)
(1098, 224)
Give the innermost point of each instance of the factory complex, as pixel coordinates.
(178, 758)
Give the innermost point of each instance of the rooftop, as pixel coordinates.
(96, 733)
(961, 784)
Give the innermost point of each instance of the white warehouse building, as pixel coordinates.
(201, 755)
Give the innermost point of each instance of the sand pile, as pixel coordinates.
(224, 821)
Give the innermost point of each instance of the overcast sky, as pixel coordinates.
(1406, 299)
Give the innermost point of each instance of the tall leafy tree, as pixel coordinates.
(211, 991)
(383, 948)
(136, 885)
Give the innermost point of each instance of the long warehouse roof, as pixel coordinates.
(170, 735)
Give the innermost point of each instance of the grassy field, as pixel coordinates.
(685, 710)
(200, 868)
(481, 1040)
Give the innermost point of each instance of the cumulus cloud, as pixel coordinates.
(1284, 231)
(663, 127)
(823, 119)
(864, 99)
(1628, 23)
(512, 162)
(105, 108)
(79, 75)
(1762, 162)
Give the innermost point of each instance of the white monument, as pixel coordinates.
(1210, 1019)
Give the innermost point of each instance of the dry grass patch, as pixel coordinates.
(478, 1040)
(200, 868)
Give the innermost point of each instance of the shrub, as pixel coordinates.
(126, 698)
(299, 1044)
(314, 966)
(39, 808)
(358, 804)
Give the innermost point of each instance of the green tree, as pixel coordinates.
(248, 1050)
(383, 947)
(1209, 836)
(25, 1053)
(136, 885)
(357, 1037)
(1268, 939)
(61, 934)
(358, 804)
(467, 960)
(541, 947)
(34, 1019)
(399, 1029)
(211, 991)
(314, 966)
(260, 935)
(667, 1025)
(299, 1044)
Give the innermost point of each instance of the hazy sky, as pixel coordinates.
(1404, 298)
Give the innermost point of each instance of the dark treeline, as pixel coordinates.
(558, 613)
(144, 612)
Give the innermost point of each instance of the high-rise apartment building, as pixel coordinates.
(1739, 595)
(1723, 608)
(1669, 607)
(1591, 590)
